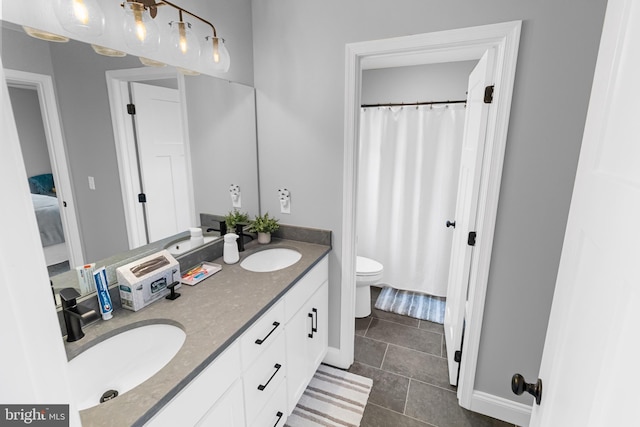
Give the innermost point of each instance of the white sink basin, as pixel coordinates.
(122, 362)
(182, 246)
(271, 260)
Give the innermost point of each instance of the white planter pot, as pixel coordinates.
(264, 238)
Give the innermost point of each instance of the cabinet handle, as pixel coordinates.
(261, 387)
(275, 326)
(313, 328)
(279, 416)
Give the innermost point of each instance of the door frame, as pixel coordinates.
(118, 90)
(444, 46)
(43, 85)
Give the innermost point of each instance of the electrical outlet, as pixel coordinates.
(92, 183)
(236, 197)
(285, 200)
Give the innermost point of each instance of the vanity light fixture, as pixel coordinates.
(151, 62)
(139, 20)
(44, 35)
(106, 51)
(82, 17)
(141, 32)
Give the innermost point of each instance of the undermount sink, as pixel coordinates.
(185, 245)
(122, 362)
(271, 260)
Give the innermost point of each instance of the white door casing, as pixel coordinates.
(450, 45)
(117, 87)
(589, 370)
(162, 159)
(43, 84)
(475, 127)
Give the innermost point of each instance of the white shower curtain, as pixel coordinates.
(407, 184)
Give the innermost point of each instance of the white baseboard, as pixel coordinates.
(501, 408)
(334, 357)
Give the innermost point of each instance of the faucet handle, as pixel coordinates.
(68, 296)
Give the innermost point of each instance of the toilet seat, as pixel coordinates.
(367, 267)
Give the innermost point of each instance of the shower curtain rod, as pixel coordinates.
(414, 104)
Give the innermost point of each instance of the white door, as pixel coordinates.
(163, 166)
(590, 371)
(466, 205)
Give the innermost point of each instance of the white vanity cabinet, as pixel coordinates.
(306, 311)
(258, 379)
(214, 395)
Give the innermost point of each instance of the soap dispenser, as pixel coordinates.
(230, 249)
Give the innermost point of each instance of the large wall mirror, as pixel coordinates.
(103, 146)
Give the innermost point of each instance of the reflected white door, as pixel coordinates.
(589, 370)
(466, 206)
(163, 166)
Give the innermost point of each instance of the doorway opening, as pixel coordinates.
(446, 46)
(47, 168)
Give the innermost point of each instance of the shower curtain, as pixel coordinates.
(407, 184)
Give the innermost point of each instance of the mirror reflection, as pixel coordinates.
(191, 139)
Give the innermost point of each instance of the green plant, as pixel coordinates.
(264, 224)
(235, 217)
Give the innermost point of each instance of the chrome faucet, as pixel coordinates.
(75, 315)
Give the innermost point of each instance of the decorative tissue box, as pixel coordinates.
(145, 280)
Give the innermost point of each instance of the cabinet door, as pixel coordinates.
(306, 344)
(228, 411)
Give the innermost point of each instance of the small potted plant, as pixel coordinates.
(264, 225)
(235, 217)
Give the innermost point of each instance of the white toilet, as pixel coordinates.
(368, 272)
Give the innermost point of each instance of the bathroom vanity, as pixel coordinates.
(253, 342)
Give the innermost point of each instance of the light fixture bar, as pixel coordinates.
(152, 3)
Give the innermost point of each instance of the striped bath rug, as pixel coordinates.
(413, 304)
(333, 398)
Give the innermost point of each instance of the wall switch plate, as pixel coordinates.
(236, 197)
(285, 200)
(92, 183)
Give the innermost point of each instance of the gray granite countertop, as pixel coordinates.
(213, 314)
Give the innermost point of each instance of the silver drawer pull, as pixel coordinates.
(261, 387)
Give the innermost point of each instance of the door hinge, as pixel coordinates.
(471, 240)
(488, 94)
(131, 109)
(457, 356)
(142, 198)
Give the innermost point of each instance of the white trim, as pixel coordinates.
(125, 148)
(460, 44)
(43, 84)
(503, 409)
(34, 366)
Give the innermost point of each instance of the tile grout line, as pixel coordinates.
(408, 348)
(396, 412)
(384, 357)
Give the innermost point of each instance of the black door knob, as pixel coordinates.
(451, 224)
(519, 386)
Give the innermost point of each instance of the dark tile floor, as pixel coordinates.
(406, 358)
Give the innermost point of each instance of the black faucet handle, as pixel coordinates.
(68, 296)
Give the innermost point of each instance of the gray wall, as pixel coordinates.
(421, 83)
(33, 142)
(299, 77)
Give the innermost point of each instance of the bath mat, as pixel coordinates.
(333, 398)
(413, 304)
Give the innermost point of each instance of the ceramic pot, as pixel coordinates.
(264, 238)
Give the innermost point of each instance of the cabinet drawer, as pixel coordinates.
(274, 413)
(262, 379)
(195, 399)
(261, 334)
(300, 293)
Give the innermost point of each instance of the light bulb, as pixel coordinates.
(140, 30)
(185, 43)
(82, 17)
(216, 56)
